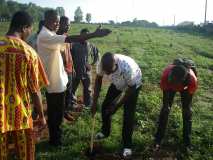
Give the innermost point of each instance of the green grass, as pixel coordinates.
(153, 49)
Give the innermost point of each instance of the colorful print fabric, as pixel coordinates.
(21, 72)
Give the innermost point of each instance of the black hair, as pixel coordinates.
(84, 30)
(63, 19)
(107, 61)
(179, 72)
(49, 14)
(20, 19)
(40, 25)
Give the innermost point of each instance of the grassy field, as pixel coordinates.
(153, 49)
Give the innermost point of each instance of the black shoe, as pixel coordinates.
(156, 147)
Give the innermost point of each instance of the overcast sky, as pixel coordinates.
(160, 11)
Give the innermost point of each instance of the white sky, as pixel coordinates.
(160, 11)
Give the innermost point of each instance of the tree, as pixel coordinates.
(186, 23)
(60, 11)
(111, 22)
(13, 7)
(4, 12)
(8, 8)
(88, 17)
(78, 15)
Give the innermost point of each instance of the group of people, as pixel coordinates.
(59, 62)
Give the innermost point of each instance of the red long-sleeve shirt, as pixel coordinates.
(166, 85)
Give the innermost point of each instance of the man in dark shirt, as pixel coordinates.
(82, 52)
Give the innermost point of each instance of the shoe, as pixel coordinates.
(156, 147)
(68, 116)
(99, 136)
(127, 152)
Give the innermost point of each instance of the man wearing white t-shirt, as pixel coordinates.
(125, 76)
(49, 45)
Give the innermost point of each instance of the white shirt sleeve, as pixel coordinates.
(50, 41)
(54, 39)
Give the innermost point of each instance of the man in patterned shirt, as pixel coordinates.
(125, 76)
(21, 76)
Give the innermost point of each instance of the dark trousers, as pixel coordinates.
(69, 96)
(186, 100)
(128, 116)
(86, 88)
(55, 110)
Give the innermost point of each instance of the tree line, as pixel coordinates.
(8, 8)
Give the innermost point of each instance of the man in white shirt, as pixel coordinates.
(125, 76)
(49, 45)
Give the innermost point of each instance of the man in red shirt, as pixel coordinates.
(177, 78)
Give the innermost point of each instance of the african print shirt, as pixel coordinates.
(21, 72)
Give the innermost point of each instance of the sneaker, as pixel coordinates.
(127, 152)
(156, 147)
(99, 136)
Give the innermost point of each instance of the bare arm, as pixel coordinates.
(128, 92)
(79, 38)
(97, 89)
(122, 100)
(37, 102)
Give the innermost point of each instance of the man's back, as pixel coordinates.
(19, 65)
(166, 85)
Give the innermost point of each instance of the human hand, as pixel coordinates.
(73, 73)
(41, 122)
(101, 32)
(88, 67)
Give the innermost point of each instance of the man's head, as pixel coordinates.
(84, 31)
(40, 25)
(51, 20)
(108, 63)
(178, 74)
(21, 23)
(64, 24)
